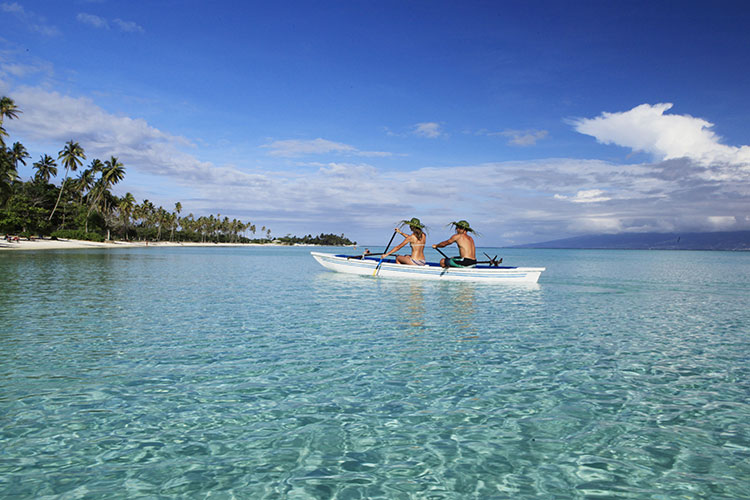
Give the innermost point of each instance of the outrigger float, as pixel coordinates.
(371, 265)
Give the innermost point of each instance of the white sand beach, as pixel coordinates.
(62, 244)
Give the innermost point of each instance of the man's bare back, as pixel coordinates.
(466, 248)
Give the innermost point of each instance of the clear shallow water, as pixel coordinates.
(255, 373)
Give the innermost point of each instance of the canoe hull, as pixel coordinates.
(389, 269)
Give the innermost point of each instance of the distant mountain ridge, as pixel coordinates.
(725, 240)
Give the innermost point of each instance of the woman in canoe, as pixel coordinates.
(416, 239)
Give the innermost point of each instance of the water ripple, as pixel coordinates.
(252, 373)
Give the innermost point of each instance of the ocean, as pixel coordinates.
(252, 372)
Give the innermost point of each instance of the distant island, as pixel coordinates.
(726, 240)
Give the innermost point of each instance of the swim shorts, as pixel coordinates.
(459, 262)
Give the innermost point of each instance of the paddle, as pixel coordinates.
(364, 255)
(377, 268)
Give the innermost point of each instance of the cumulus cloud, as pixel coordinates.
(648, 129)
(431, 130)
(52, 118)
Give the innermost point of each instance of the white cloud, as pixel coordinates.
(648, 129)
(52, 118)
(128, 26)
(18, 70)
(585, 196)
(291, 148)
(12, 8)
(523, 137)
(296, 147)
(92, 20)
(37, 24)
(102, 23)
(430, 130)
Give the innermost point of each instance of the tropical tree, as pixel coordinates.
(125, 208)
(112, 172)
(8, 162)
(8, 109)
(46, 168)
(18, 154)
(8, 175)
(85, 182)
(71, 156)
(174, 218)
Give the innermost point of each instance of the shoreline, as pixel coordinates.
(65, 244)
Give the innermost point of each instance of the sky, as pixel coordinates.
(533, 120)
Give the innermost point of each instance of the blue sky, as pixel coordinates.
(533, 120)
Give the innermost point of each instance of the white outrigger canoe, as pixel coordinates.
(357, 264)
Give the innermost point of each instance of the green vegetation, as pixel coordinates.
(324, 239)
(84, 207)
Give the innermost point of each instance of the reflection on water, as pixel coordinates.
(461, 308)
(438, 307)
(415, 306)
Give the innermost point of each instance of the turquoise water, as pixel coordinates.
(255, 373)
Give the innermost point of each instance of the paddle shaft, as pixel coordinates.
(364, 255)
(377, 268)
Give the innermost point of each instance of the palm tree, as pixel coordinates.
(112, 172)
(18, 154)
(85, 182)
(8, 170)
(126, 206)
(46, 168)
(8, 109)
(175, 217)
(8, 174)
(71, 156)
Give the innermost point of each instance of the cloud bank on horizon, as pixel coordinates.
(691, 166)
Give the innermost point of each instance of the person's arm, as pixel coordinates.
(447, 242)
(400, 246)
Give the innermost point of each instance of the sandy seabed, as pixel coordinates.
(61, 244)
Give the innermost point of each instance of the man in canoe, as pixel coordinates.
(416, 239)
(466, 248)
